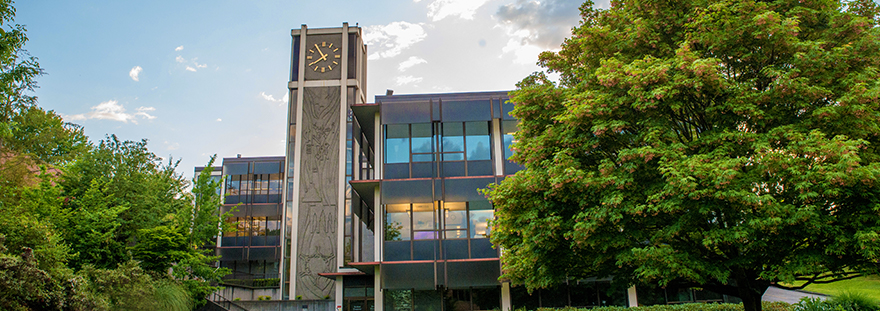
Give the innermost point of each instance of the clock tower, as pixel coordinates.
(327, 76)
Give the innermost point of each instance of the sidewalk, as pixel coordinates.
(789, 296)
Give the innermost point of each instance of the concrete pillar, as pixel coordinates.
(632, 298)
(505, 296)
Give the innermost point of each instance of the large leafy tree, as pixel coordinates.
(724, 144)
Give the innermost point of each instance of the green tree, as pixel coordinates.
(724, 144)
(18, 69)
(43, 136)
(125, 184)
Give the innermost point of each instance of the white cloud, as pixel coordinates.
(407, 80)
(135, 72)
(112, 110)
(411, 61)
(179, 48)
(534, 26)
(390, 40)
(219, 120)
(191, 65)
(271, 98)
(171, 146)
(523, 53)
(440, 9)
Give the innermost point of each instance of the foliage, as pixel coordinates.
(18, 69)
(722, 144)
(867, 285)
(44, 136)
(128, 287)
(770, 306)
(855, 302)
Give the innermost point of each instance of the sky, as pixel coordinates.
(198, 78)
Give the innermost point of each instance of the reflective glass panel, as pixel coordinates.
(423, 216)
(453, 139)
(397, 143)
(421, 138)
(455, 215)
(507, 130)
(273, 225)
(480, 214)
(397, 226)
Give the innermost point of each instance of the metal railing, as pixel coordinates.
(224, 303)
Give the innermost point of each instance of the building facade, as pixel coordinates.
(376, 206)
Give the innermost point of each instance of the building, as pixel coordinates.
(376, 205)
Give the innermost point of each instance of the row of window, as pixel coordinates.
(424, 142)
(253, 269)
(254, 226)
(253, 184)
(445, 149)
(472, 299)
(439, 220)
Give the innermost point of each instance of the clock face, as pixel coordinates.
(323, 57)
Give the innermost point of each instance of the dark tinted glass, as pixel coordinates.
(423, 169)
(479, 168)
(353, 48)
(294, 59)
(235, 169)
(397, 251)
(425, 250)
(406, 112)
(482, 248)
(466, 110)
(452, 169)
(455, 249)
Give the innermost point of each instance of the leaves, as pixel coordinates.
(723, 144)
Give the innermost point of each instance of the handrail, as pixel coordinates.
(224, 303)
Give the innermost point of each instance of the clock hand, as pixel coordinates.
(319, 50)
(319, 59)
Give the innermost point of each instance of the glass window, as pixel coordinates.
(258, 226)
(233, 184)
(453, 141)
(273, 225)
(508, 128)
(398, 300)
(397, 226)
(421, 142)
(481, 213)
(455, 215)
(243, 226)
(477, 141)
(397, 143)
(423, 219)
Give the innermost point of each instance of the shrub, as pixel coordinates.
(766, 306)
(855, 302)
(813, 304)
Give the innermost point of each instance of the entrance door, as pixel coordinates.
(359, 304)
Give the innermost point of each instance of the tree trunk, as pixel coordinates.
(751, 292)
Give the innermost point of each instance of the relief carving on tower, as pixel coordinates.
(319, 177)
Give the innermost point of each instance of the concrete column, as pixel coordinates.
(505, 296)
(378, 299)
(338, 292)
(632, 297)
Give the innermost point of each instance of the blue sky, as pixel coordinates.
(197, 78)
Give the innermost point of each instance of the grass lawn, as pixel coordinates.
(868, 286)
